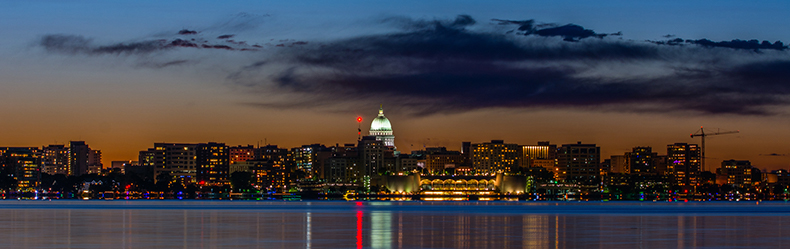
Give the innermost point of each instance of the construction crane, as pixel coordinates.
(701, 133)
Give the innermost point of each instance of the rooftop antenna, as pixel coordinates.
(359, 128)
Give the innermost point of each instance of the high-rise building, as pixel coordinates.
(23, 164)
(310, 159)
(683, 163)
(171, 160)
(739, 173)
(274, 168)
(579, 163)
(55, 159)
(79, 156)
(211, 164)
(371, 153)
(342, 167)
(542, 155)
(619, 164)
(382, 129)
(495, 157)
(94, 162)
(439, 159)
(641, 161)
(241, 153)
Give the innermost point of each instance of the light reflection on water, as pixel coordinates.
(206, 224)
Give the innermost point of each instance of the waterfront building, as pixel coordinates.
(55, 159)
(22, 164)
(272, 175)
(544, 150)
(738, 173)
(437, 160)
(409, 163)
(211, 164)
(618, 165)
(241, 153)
(372, 152)
(495, 157)
(683, 163)
(341, 167)
(171, 160)
(95, 164)
(79, 156)
(641, 161)
(579, 163)
(543, 155)
(274, 168)
(310, 159)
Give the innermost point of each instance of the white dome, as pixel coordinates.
(381, 123)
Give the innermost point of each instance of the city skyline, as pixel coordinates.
(123, 76)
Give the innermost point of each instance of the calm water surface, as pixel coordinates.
(329, 224)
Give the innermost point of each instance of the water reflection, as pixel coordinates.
(376, 225)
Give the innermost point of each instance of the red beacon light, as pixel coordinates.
(359, 119)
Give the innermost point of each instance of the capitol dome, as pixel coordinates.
(381, 123)
(382, 129)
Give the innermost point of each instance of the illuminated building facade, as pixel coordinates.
(342, 166)
(543, 155)
(543, 150)
(95, 164)
(274, 168)
(382, 129)
(495, 157)
(579, 163)
(79, 154)
(371, 153)
(310, 159)
(55, 159)
(451, 187)
(683, 163)
(641, 161)
(437, 160)
(241, 153)
(211, 162)
(739, 173)
(171, 160)
(23, 164)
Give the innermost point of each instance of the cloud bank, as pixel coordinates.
(460, 65)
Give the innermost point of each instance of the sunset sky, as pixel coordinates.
(619, 74)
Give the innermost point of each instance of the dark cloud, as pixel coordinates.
(443, 66)
(75, 44)
(150, 64)
(182, 43)
(187, 32)
(740, 44)
(773, 154)
(733, 44)
(458, 65)
(72, 44)
(217, 47)
(225, 36)
(569, 32)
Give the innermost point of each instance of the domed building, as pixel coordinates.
(382, 129)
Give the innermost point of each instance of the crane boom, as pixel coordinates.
(701, 133)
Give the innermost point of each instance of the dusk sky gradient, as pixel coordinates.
(122, 76)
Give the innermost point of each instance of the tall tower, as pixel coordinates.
(382, 129)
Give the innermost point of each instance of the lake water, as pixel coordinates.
(338, 224)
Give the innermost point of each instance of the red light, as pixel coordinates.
(359, 119)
